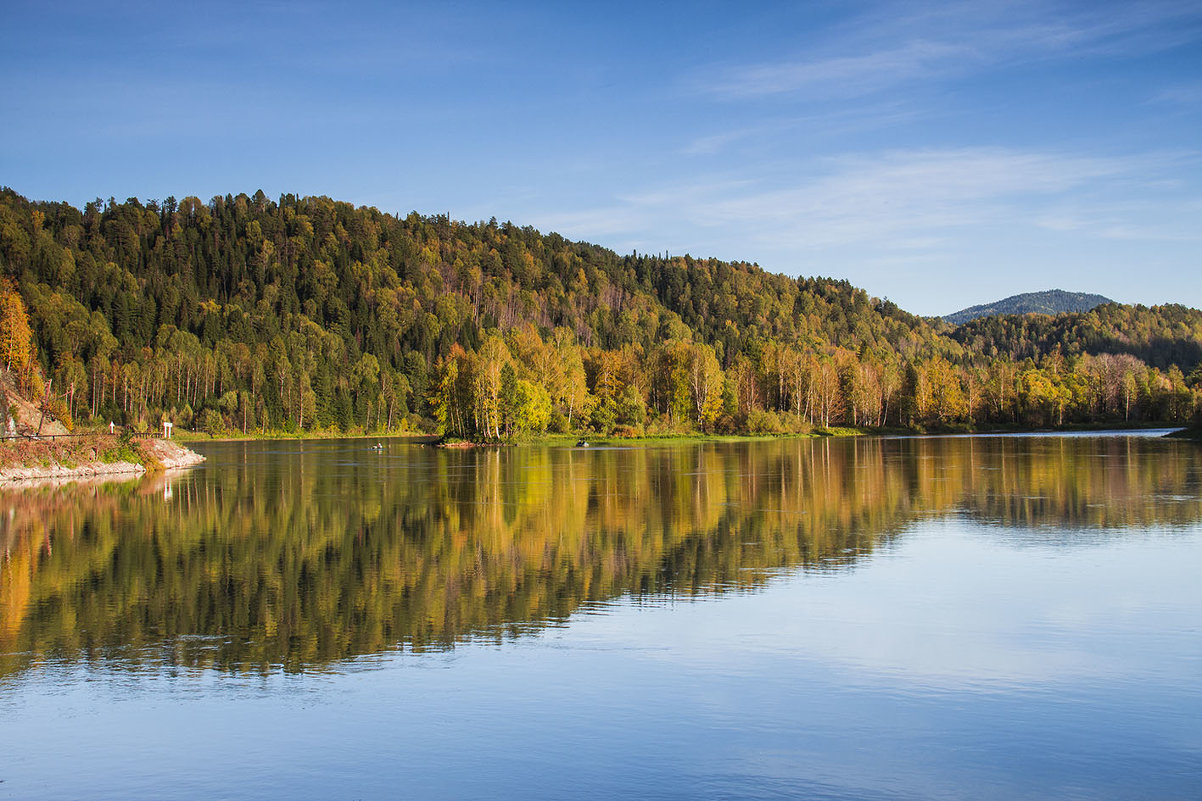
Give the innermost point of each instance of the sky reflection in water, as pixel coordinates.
(852, 620)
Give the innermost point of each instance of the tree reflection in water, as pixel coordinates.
(299, 555)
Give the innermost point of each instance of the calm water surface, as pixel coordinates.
(940, 618)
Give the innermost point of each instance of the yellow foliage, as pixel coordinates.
(16, 338)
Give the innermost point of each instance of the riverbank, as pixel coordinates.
(186, 436)
(1192, 433)
(594, 439)
(597, 440)
(90, 456)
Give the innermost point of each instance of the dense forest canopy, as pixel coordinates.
(249, 314)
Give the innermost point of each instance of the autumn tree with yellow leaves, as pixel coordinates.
(16, 337)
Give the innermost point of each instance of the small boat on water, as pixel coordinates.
(582, 443)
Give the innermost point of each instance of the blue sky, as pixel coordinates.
(939, 154)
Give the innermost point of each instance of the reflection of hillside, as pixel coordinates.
(300, 559)
(1077, 482)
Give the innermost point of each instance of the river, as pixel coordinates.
(915, 618)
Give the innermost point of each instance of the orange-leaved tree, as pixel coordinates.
(16, 337)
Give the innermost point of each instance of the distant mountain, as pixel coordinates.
(1053, 301)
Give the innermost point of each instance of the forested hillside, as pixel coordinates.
(249, 314)
(1162, 336)
(1053, 301)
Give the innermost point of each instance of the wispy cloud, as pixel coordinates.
(902, 193)
(1182, 94)
(714, 143)
(1133, 220)
(935, 229)
(839, 75)
(831, 126)
(888, 49)
(909, 201)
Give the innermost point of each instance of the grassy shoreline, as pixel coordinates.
(97, 453)
(682, 438)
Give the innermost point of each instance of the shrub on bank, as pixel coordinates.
(67, 451)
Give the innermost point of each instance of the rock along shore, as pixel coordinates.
(158, 454)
